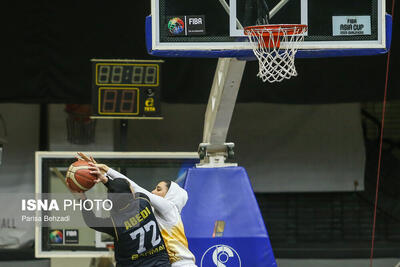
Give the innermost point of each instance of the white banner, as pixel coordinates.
(351, 25)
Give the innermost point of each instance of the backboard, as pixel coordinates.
(74, 238)
(213, 28)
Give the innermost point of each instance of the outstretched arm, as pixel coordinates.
(100, 224)
(160, 204)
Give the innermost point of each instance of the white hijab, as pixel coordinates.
(177, 195)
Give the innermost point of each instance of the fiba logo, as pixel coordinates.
(220, 256)
(176, 26)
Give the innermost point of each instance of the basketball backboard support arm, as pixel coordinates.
(214, 150)
(272, 13)
(277, 8)
(226, 7)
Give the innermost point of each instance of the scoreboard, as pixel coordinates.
(126, 89)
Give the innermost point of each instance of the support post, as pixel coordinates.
(221, 103)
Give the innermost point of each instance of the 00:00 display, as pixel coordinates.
(127, 74)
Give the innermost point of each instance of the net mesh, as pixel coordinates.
(80, 128)
(276, 62)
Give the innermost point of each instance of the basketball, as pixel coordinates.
(79, 177)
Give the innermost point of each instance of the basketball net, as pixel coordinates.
(80, 127)
(276, 62)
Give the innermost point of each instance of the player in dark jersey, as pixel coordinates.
(137, 238)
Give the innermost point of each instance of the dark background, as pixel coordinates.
(48, 47)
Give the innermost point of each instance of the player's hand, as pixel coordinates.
(96, 171)
(103, 167)
(84, 157)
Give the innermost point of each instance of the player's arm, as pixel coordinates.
(103, 225)
(162, 205)
(100, 224)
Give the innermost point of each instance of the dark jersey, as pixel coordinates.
(137, 237)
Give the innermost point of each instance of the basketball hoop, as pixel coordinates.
(276, 63)
(80, 128)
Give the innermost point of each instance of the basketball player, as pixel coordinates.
(168, 199)
(132, 223)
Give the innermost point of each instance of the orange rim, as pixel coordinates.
(276, 29)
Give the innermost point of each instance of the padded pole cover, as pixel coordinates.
(222, 220)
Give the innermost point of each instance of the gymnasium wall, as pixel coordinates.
(17, 171)
(284, 148)
(181, 130)
(321, 144)
(22, 134)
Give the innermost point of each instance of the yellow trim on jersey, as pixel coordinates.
(175, 240)
(115, 229)
(127, 205)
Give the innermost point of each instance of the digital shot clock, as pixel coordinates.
(126, 89)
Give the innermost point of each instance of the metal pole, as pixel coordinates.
(221, 104)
